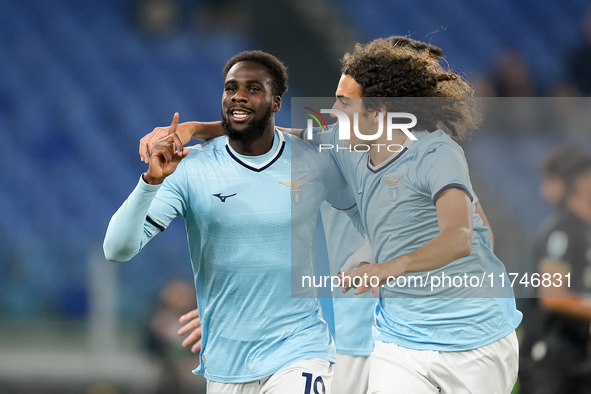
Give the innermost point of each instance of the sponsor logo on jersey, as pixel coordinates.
(433, 150)
(223, 198)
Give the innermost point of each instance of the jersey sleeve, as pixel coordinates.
(148, 210)
(325, 141)
(355, 217)
(339, 194)
(443, 166)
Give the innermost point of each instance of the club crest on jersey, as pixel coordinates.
(296, 190)
(393, 186)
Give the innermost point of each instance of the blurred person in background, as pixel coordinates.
(512, 77)
(557, 171)
(555, 343)
(162, 341)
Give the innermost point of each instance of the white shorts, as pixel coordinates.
(491, 369)
(350, 374)
(313, 376)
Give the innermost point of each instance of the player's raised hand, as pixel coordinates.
(193, 326)
(166, 154)
(184, 131)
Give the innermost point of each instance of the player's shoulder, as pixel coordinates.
(294, 140)
(300, 146)
(561, 232)
(427, 141)
(202, 156)
(566, 221)
(433, 144)
(207, 148)
(305, 155)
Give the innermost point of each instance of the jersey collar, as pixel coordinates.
(375, 169)
(262, 166)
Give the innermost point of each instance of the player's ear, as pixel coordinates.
(276, 103)
(379, 113)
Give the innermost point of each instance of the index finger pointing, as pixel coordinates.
(174, 124)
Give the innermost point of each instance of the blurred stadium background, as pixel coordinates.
(82, 81)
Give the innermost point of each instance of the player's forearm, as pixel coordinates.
(294, 132)
(126, 234)
(561, 299)
(448, 246)
(203, 131)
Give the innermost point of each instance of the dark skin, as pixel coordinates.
(166, 154)
(248, 89)
(247, 96)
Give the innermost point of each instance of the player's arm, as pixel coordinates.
(185, 131)
(454, 217)
(558, 297)
(203, 131)
(480, 211)
(130, 227)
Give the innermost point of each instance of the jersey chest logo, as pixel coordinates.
(223, 198)
(296, 190)
(393, 186)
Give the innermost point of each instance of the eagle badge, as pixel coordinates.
(393, 186)
(296, 189)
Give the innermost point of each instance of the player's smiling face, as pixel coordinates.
(248, 94)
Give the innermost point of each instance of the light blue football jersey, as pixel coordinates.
(353, 315)
(250, 228)
(396, 201)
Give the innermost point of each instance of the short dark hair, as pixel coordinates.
(275, 67)
(384, 70)
(567, 162)
(433, 50)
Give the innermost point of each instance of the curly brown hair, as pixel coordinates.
(385, 70)
(433, 50)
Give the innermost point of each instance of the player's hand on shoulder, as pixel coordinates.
(194, 327)
(166, 154)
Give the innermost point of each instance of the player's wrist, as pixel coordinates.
(188, 130)
(397, 267)
(151, 180)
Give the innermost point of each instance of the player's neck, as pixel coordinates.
(382, 149)
(258, 147)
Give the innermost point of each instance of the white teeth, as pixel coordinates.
(240, 114)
